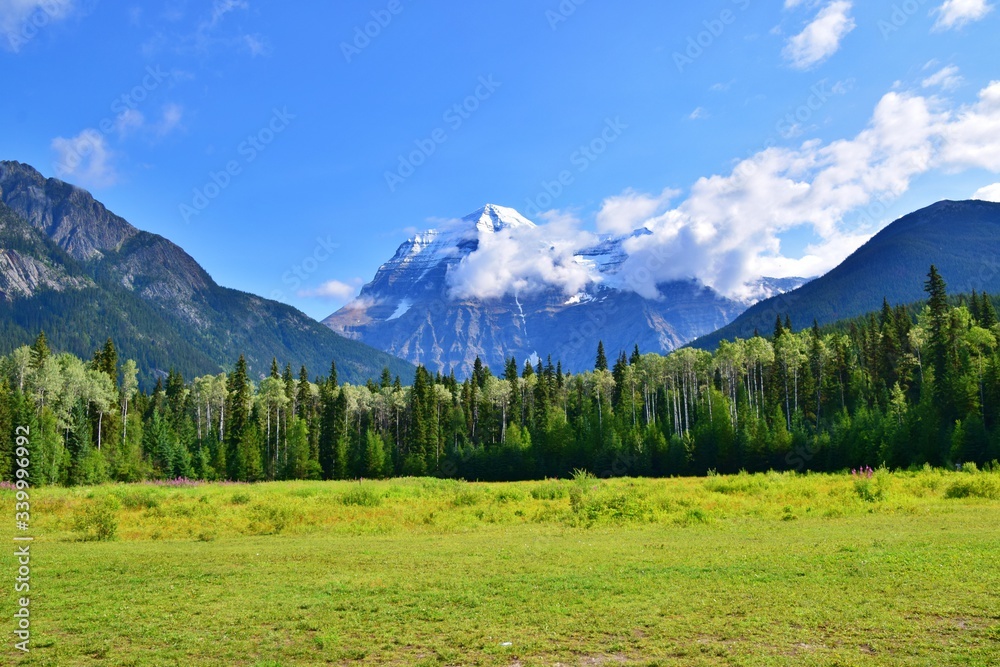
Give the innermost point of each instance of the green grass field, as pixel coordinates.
(901, 569)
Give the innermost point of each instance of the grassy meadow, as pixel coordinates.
(769, 569)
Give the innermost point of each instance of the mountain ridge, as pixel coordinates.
(412, 307)
(961, 238)
(145, 292)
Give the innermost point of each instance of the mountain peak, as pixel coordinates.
(493, 218)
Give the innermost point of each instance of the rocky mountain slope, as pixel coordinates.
(81, 273)
(410, 309)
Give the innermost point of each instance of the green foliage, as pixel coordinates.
(269, 518)
(240, 498)
(97, 521)
(866, 394)
(362, 496)
(550, 490)
(139, 498)
(978, 486)
(873, 488)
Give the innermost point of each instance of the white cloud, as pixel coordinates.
(726, 232)
(129, 121)
(256, 45)
(971, 138)
(698, 113)
(954, 14)
(520, 260)
(171, 119)
(85, 158)
(625, 212)
(333, 289)
(988, 193)
(946, 78)
(822, 37)
(212, 32)
(20, 20)
(219, 10)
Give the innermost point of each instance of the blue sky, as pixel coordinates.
(332, 146)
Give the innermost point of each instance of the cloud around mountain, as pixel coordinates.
(727, 231)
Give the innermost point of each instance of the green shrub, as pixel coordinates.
(873, 489)
(508, 494)
(241, 498)
(97, 521)
(742, 484)
(466, 498)
(361, 496)
(979, 486)
(550, 490)
(694, 516)
(137, 498)
(269, 519)
(593, 504)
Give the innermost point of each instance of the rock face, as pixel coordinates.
(77, 222)
(410, 310)
(81, 273)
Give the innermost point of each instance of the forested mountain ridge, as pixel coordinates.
(72, 268)
(961, 238)
(888, 389)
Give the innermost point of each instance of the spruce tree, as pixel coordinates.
(939, 335)
(237, 421)
(328, 430)
(106, 361)
(39, 351)
(988, 314)
(601, 363)
(303, 396)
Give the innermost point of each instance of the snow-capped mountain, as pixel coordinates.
(414, 309)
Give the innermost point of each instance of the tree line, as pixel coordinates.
(899, 387)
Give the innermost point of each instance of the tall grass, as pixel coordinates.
(216, 511)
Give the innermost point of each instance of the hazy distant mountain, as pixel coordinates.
(410, 310)
(73, 268)
(961, 238)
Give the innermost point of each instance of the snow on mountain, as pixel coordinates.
(419, 307)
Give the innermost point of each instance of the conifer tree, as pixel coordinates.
(601, 363)
(237, 421)
(39, 351)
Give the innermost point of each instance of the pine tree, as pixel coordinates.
(975, 307)
(328, 430)
(332, 380)
(601, 363)
(237, 421)
(303, 396)
(988, 314)
(106, 361)
(39, 351)
(939, 336)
